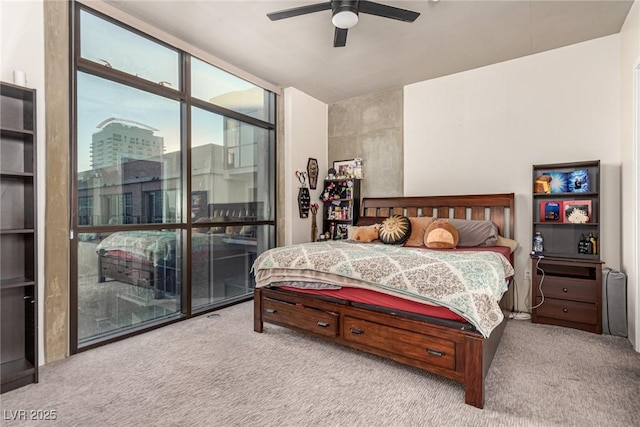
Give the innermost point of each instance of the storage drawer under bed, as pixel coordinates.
(436, 351)
(300, 317)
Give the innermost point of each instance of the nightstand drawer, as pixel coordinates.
(308, 319)
(567, 310)
(568, 288)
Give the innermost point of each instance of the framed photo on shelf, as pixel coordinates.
(559, 182)
(551, 211)
(576, 211)
(345, 168)
(341, 231)
(579, 181)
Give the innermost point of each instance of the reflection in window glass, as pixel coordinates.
(231, 168)
(218, 87)
(128, 155)
(222, 258)
(126, 279)
(121, 49)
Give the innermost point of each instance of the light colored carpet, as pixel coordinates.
(215, 371)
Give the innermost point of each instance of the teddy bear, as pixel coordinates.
(542, 184)
(366, 234)
(441, 234)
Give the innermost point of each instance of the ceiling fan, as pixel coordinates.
(345, 14)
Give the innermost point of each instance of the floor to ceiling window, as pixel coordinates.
(174, 165)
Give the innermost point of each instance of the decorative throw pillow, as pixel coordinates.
(351, 229)
(441, 234)
(366, 234)
(475, 232)
(395, 230)
(418, 228)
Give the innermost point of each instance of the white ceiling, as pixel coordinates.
(449, 36)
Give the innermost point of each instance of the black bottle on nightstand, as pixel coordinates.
(581, 248)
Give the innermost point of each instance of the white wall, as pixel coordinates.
(630, 152)
(22, 35)
(491, 124)
(306, 134)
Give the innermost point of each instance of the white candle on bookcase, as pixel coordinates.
(19, 78)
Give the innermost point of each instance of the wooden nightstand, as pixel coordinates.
(571, 293)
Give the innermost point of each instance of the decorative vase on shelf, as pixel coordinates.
(314, 228)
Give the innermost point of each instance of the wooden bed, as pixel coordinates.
(449, 350)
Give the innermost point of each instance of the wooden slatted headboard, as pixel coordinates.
(498, 208)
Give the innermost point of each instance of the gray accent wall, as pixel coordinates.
(371, 127)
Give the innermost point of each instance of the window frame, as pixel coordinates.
(183, 96)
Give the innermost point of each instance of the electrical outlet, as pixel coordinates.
(527, 275)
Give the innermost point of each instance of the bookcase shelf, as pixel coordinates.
(561, 237)
(18, 237)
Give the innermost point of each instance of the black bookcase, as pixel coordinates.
(566, 285)
(342, 209)
(18, 242)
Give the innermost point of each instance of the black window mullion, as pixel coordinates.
(225, 112)
(186, 199)
(126, 79)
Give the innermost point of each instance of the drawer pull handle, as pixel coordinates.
(356, 331)
(271, 310)
(435, 352)
(565, 310)
(565, 290)
(323, 324)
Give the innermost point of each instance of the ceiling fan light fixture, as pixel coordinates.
(345, 19)
(344, 14)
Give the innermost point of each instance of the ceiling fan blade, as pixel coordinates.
(296, 11)
(385, 11)
(340, 37)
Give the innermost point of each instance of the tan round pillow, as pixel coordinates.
(441, 234)
(395, 230)
(365, 234)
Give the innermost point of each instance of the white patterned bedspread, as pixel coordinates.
(469, 283)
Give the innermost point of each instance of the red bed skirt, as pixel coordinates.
(366, 296)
